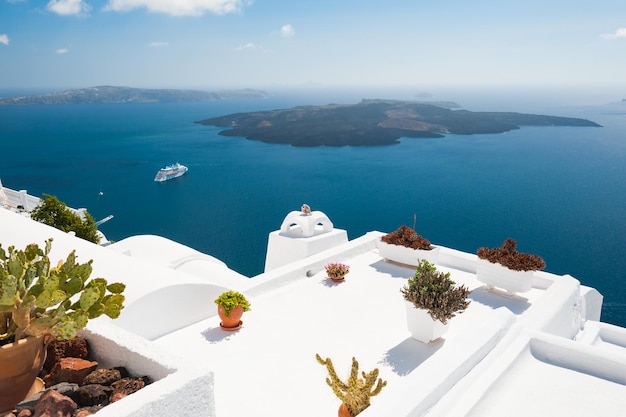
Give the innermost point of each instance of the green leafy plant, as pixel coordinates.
(408, 237)
(37, 299)
(336, 270)
(434, 291)
(55, 213)
(231, 299)
(356, 392)
(508, 256)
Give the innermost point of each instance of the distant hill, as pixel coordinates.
(111, 94)
(374, 122)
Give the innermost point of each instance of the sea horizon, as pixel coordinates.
(559, 191)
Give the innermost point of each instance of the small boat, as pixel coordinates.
(170, 171)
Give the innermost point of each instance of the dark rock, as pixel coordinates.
(63, 388)
(53, 404)
(129, 385)
(73, 348)
(66, 388)
(87, 411)
(117, 396)
(72, 370)
(89, 395)
(105, 376)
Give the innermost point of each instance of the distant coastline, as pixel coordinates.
(114, 95)
(374, 123)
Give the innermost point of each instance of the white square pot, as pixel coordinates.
(407, 256)
(423, 327)
(496, 275)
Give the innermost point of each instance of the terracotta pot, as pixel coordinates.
(20, 363)
(338, 279)
(343, 411)
(232, 321)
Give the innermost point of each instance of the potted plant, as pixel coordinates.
(354, 394)
(337, 271)
(504, 267)
(431, 299)
(404, 245)
(230, 307)
(39, 302)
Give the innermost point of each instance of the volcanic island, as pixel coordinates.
(375, 122)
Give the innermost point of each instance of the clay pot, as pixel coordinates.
(343, 411)
(20, 363)
(338, 279)
(232, 321)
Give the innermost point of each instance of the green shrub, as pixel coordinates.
(436, 292)
(56, 214)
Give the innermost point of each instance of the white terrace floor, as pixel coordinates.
(504, 356)
(268, 368)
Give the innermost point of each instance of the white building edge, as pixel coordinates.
(540, 353)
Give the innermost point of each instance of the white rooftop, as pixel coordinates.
(543, 352)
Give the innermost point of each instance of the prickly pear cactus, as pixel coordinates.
(356, 393)
(36, 299)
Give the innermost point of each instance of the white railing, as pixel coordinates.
(21, 201)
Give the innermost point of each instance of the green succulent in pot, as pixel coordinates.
(356, 392)
(230, 307)
(436, 292)
(38, 299)
(39, 302)
(228, 300)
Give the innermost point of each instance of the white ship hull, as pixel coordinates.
(170, 172)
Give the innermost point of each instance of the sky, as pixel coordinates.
(263, 43)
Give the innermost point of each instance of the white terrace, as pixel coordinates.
(539, 353)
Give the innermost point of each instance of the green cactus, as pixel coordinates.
(36, 299)
(356, 393)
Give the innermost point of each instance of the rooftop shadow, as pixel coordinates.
(216, 334)
(327, 282)
(409, 354)
(496, 299)
(393, 269)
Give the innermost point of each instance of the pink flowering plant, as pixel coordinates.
(336, 270)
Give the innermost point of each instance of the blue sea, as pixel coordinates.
(560, 192)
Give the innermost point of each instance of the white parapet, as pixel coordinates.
(302, 234)
(179, 387)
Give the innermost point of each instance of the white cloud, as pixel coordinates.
(4, 39)
(287, 31)
(619, 33)
(157, 44)
(178, 7)
(68, 7)
(249, 47)
(62, 51)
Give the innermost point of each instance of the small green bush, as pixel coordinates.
(55, 213)
(436, 292)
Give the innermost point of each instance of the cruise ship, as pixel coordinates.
(170, 171)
